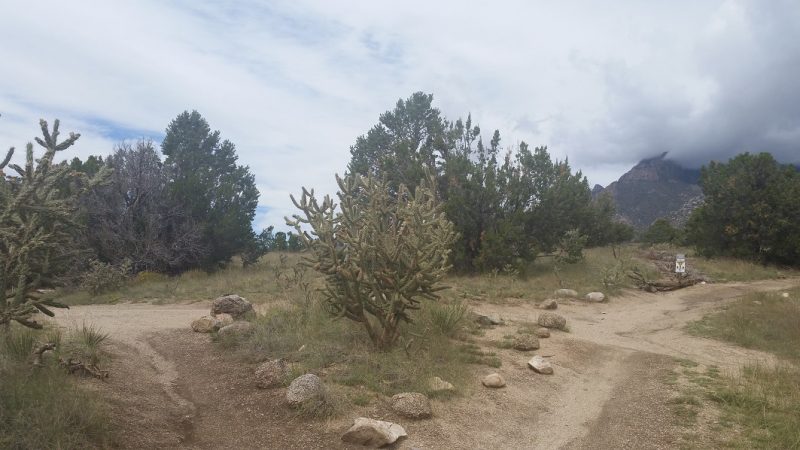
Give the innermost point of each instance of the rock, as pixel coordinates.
(540, 365)
(552, 320)
(525, 342)
(756, 302)
(373, 433)
(305, 388)
(271, 374)
(205, 324)
(412, 405)
(437, 384)
(231, 304)
(494, 380)
(566, 293)
(785, 295)
(492, 319)
(595, 297)
(224, 319)
(240, 327)
(549, 304)
(542, 333)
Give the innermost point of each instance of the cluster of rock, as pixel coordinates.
(552, 303)
(227, 317)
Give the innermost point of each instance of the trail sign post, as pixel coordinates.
(680, 263)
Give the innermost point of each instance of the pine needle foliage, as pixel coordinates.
(383, 253)
(37, 219)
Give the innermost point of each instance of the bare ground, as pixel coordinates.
(171, 388)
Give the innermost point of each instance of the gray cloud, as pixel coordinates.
(293, 83)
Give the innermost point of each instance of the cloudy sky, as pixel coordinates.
(293, 83)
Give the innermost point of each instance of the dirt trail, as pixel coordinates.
(605, 394)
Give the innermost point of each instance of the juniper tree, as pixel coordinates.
(37, 219)
(382, 253)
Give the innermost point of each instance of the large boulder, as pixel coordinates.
(238, 328)
(412, 405)
(552, 320)
(525, 342)
(596, 297)
(540, 365)
(306, 388)
(231, 304)
(205, 324)
(549, 304)
(224, 320)
(493, 380)
(271, 374)
(566, 293)
(373, 433)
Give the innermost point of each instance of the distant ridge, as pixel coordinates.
(654, 188)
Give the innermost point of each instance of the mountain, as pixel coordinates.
(655, 188)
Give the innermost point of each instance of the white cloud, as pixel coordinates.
(293, 83)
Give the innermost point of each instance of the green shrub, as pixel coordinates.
(447, 319)
(382, 253)
(103, 277)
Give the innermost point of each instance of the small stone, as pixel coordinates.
(240, 327)
(231, 304)
(595, 297)
(271, 374)
(490, 320)
(373, 433)
(224, 319)
(552, 320)
(412, 405)
(785, 295)
(305, 388)
(542, 333)
(756, 302)
(540, 365)
(205, 324)
(437, 384)
(525, 342)
(494, 380)
(548, 304)
(566, 293)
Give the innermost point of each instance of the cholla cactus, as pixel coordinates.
(381, 254)
(36, 217)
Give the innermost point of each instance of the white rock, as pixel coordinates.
(595, 297)
(570, 293)
(493, 380)
(205, 324)
(548, 304)
(412, 405)
(437, 384)
(540, 365)
(491, 319)
(373, 433)
(552, 320)
(305, 388)
(785, 295)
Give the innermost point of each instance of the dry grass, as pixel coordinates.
(763, 321)
(762, 404)
(44, 407)
(277, 277)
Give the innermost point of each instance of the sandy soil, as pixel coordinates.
(171, 388)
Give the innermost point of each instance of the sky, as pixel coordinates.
(293, 83)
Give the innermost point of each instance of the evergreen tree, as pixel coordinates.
(405, 143)
(751, 210)
(218, 194)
